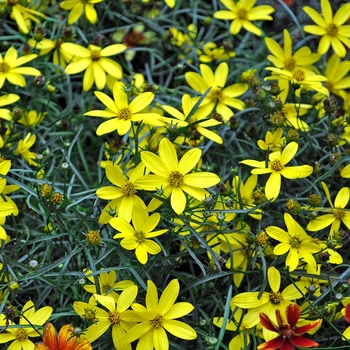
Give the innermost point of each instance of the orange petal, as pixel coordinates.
(82, 344)
(66, 338)
(49, 336)
(41, 346)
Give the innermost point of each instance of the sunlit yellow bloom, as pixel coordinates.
(160, 316)
(293, 112)
(23, 149)
(30, 323)
(295, 241)
(77, 7)
(218, 97)
(337, 213)
(121, 113)
(242, 12)
(196, 123)
(332, 29)
(173, 177)
(285, 59)
(336, 72)
(211, 52)
(94, 60)
(4, 101)
(277, 167)
(138, 236)
(10, 68)
(273, 141)
(267, 302)
(117, 316)
(20, 13)
(31, 118)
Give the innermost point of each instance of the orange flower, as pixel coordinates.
(66, 339)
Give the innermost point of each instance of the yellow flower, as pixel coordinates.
(195, 123)
(121, 113)
(95, 61)
(10, 68)
(293, 111)
(285, 59)
(331, 28)
(118, 316)
(277, 167)
(123, 193)
(30, 323)
(295, 241)
(345, 172)
(159, 316)
(337, 214)
(20, 13)
(31, 118)
(300, 76)
(4, 101)
(172, 175)
(218, 96)
(273, 141)
(336, 72)
(242, 12)
(138, 237)
(107, 283)
(211, 52)
(23, 149)
(77, 7)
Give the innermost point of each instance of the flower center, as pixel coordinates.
(276, 165)
(242, 14)
(85, 1)
(176, 179)
(21, 334)
(114, 317)
(12, 2)
(276, 298)
(157, 321)
(140, 236)
(289, 63)
(329, 85)
(4, 67)
(287, 332)
(105, 288)
(339, 213)
(128, 189)
(294, 242)
(90, 314)
(93, 237)
(262, 238)
(332, 29)
(125, 113)
(299, 75)
(95, 55)
(215, 94)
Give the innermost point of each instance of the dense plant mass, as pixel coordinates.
(174, 174)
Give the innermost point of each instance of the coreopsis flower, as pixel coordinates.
(172, 175)
(336, 73)
(31, 118)
(267, 302)
(76, 8)
(345, 172)
(289, 335)
(94, 60)
(277, 167)
(66, 339)
(285, 59)
(295, 241)
(23, 149)
(273, 141)
(117, 316)
(337, 214)
(4, 101)
(10, 68)
(139, 235)
(121, 113)
(211, 52)
(20, 14)
(243, 195)
(29, 322)
(242, 12)
(300, 76)
(183, 40)
(123, 194)
(195, 123)
(107, 283)
(293, 112)
(332, 29)
(160, 316)
(218, 97)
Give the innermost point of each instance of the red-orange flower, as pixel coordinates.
(289, 335)
(66, 339)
